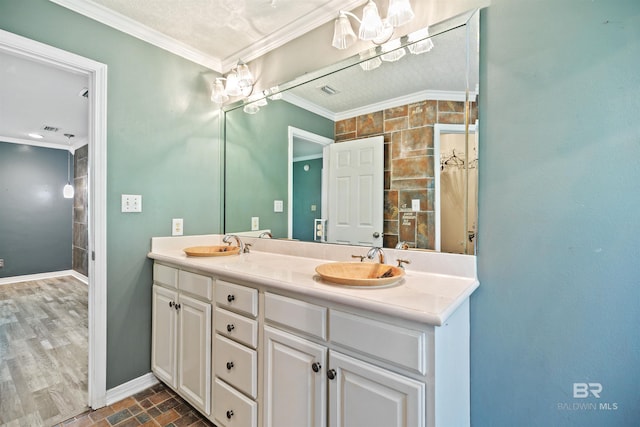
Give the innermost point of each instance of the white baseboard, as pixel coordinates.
(42, 276)
(130, 388)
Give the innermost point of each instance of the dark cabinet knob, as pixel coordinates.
(229, 365)
(171, 304)
(231, 298)
(316, 367)
(177, 306)
(230, 327)
(331, 374)
(229, 414)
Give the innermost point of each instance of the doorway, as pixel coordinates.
(97, 87)
(456, 184)
(305, 158)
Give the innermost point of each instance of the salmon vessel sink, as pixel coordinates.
(359, 273)
(220, 250)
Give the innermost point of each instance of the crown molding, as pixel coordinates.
(135, 29)
(77, 144)
(291, 31)
(430, 95)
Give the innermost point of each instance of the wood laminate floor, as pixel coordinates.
(43, 351)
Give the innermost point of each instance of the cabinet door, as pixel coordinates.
(194, 352)
(163, 335)
(295, 381)
(361, 394)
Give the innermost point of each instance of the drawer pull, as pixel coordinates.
(316, 367)
(230, 327)
(176, 306)
(229, 365)
(229, 414)
(331, 374)
(231, 297)
(171, 304)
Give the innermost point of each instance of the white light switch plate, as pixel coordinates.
(255, 223)
(278, 205)
(131, 203)
(415, 205)
(177, 227)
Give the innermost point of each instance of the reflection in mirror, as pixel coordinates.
(400, 102)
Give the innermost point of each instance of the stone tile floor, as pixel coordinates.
(155, 406)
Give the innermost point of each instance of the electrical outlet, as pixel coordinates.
(177, 227)
(131, 203)
(278, 206)
(1, 263)
(255, 223)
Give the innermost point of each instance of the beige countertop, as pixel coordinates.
(424, 296)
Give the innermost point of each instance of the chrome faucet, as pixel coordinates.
(402, 245)
(265, 234)
(227, 239)
(376, 250)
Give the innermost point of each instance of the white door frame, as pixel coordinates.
(438, 129)
(293, 133)
(97, 140)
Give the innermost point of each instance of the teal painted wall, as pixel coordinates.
(163, 143)
(307, 191)
(35, 219)
(559, 196)
(256, 155)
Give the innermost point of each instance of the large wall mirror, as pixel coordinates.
(379, 150)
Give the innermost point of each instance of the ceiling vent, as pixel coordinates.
(50, 128)
(328, 90)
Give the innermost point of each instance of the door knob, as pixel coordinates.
(316, 367)
(376, 234)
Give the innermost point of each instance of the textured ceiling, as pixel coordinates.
(221, 30)
(442, 69)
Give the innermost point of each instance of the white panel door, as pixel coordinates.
(194, 360)
(361, 394)
(356, 191)
(295, 381)
(163, 335)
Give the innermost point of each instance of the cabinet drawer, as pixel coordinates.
(237, 298)
(196, 284)
(298, 315)
(167, 276)
(232, 409)
(394, 344)
(237, 365)
(237, 327)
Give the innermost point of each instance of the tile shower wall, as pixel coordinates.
(80, 230)
(408, 163)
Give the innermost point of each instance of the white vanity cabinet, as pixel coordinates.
(325, 366)
(181, 333)
(236, 356)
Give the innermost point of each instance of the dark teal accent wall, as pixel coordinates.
(163, 143)
(307, 191)
(559, 197)
(35, 219)
(256, 158)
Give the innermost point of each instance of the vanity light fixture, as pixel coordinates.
(239, 82)
(392, 51)
(420, 41)
(372, 26)
(67, 191)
